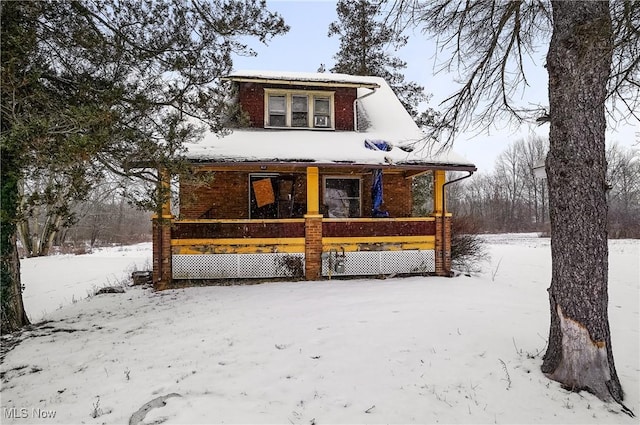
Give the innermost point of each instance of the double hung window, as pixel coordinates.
(321, 112)
(342, 197)
(278, 110)
(299, 109)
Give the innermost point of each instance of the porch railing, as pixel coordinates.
(211, 248)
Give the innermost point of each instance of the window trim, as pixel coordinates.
(311, 95)
(343, 177)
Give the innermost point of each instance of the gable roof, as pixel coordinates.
(377, 105)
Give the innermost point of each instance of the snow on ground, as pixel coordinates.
(405, 350)
(54, 281)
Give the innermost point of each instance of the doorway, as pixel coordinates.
(272, 196)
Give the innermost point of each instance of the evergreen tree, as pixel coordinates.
(103, 85)
(365, 42)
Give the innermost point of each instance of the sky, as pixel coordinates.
(306, 46)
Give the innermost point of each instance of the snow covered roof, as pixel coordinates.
(387, 121)
(295, 78)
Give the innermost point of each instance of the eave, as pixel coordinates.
(412, 168)
(303, 82)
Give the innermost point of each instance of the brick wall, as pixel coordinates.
(344, 98)
(227, 196)
(313, 247)
(251, 97)
(397, 197)
(443, 265)
(162, 273)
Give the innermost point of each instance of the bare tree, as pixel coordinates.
(592, 56)
(623, 194)
(533, 151)
(508, 173)
(503, 200)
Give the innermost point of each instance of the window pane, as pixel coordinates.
(277, 120)
(299, 103)
(321, 106)
(321, 121)
(342, 197)
(277, 104)
(299, 119)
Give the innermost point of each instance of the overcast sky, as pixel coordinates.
(307, 45)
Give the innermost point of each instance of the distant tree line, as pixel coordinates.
(511, 198)
(53, 218)
(106, 216)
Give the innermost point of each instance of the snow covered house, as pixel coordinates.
(316, 184)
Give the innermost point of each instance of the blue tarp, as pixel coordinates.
(378, 145)
(376, 195)
(376, 185)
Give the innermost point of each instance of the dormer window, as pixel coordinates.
(278, 111)
(299, 109)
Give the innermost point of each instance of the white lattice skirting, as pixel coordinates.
(229, 266)
(273, 265)
(380, 262)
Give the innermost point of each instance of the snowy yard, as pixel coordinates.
(405, 350)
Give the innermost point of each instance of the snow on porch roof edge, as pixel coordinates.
(311, 163)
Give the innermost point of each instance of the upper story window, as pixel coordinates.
(299, 109)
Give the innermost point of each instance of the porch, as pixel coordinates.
(314, 245)
(231, 249)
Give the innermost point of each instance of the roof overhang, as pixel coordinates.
(414, 167)
(302, 81)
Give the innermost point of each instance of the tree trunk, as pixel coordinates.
(579, 354)
(49, 231)
(12, 311)
(24, 234)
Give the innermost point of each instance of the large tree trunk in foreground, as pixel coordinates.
(579, 354)
(12, 309)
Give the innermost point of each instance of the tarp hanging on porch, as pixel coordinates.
(376, 195)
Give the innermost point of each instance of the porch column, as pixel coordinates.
(439, 206)
(313, 192)
(162, 273)
(443, 244)
(443, 225)
(313, 228)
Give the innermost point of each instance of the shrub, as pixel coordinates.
(468, 250)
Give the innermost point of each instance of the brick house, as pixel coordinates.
(316, 184)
